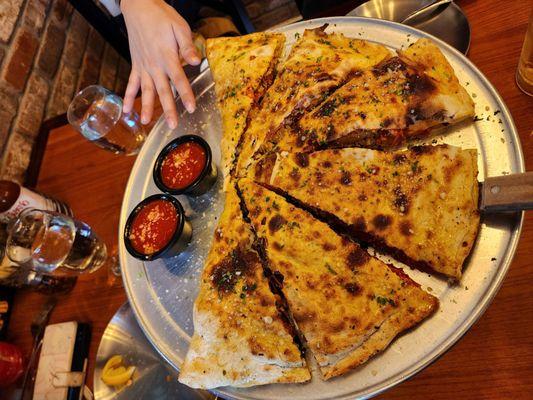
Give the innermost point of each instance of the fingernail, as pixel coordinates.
(144, 120)
(195, 60)
(189, 105)
(171, 123)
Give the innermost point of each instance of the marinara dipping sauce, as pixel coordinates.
(156, 227)
(185, 166)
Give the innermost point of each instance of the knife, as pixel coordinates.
(507, 193)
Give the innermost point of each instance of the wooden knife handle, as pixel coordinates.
(507, 193)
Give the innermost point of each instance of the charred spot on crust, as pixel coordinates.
(237, 264)
(414, 114)
(439, 115)
(352, 288)
(354, 74)
(330, 132)
(275, 223)
(323, 76)
(302, 159)
(419, 84)
(263, 168)
(356, 258)
(327, 108)
(392, 64)
(328, 247)
(362, 197)
(277, 246)
(295, 175)
(406, 228)
(338, 327)
(401, 201)
(381, 221)
(386, 122)
(419, 150)
(399, 159)
(346, 178)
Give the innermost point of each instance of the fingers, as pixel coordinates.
(134, 83)
(187, 49)
(166, 98)
(181, 83)
(148, 94)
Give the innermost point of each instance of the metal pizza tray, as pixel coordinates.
(162, 292)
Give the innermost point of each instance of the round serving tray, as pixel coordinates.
(162, 292)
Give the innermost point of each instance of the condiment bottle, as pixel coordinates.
(15, 198)
(11, 363)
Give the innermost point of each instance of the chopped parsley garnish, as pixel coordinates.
(331, 270)
(324, 41)
(383, 301)
(293, 224)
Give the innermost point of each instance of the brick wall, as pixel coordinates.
(47, 53)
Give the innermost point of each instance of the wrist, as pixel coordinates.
(125, 4)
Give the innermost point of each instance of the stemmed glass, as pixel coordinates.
(56, 244)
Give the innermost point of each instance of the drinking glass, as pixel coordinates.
(96, 113)
(524, 72)
(46, 241)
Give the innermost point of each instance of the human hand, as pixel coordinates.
(157, 36)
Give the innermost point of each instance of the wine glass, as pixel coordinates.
(57, 244)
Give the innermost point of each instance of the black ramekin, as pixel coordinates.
(205, 180)
(176, 244)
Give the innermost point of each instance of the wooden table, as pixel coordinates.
(492, 361)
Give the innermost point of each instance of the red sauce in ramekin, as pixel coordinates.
(153, 226)
(183, 165)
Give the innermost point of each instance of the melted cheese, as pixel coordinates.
(401, 98)
(338, 295)
(420, 205)
(242, 69)
(239, 338)
(317, 63)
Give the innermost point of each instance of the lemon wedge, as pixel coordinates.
(113, 362)
(115, 373)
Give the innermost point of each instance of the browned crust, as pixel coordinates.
(274, 282)
(266, 82)
(359, 235)
(396, 325)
